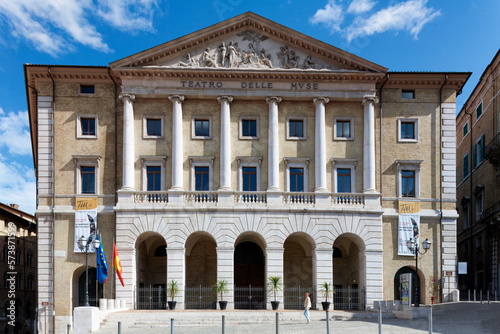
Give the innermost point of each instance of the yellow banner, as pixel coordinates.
(85, 203)
(409, 207)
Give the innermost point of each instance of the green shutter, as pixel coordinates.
(474, 156)
(465, 166)
(481, 148)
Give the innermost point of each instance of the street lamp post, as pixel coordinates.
(84, 244)
(415, 250)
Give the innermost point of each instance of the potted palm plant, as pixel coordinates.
(221, 287)
(326, 290)
(275, 284)
(173, 289)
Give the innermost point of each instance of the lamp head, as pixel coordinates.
(411, 244)
(82, 242)
(426, 244)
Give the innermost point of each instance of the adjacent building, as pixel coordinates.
(18, 267)
(478, 184)
(238, 152)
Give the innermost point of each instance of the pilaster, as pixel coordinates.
(225, 271)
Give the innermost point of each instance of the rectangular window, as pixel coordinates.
(466, 129)
(296, 179)
(249, 178)
(465, 166)
(465, 217)
(154, 178)
(202, 127)
(87, 126)
(343, 180)
(153, 127)
(201, 175)
(478, 152)
(87, 89)
(479, 206)
(408, 183)
(88, 180)
(296, 128)
(344, 128)
(407, 130)
(249, 127)
(407, 94)
(479, 110)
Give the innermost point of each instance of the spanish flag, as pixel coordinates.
(117, 264)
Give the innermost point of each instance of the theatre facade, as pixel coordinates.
(242, 151)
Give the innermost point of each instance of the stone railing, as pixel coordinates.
(254, 198)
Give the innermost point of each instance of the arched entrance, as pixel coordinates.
(349, 273)
(397, 288)
(151, 271)
(298, 269)
(249, 273)
(95, 288)
(201, 271)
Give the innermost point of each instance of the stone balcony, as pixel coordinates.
(164, 200)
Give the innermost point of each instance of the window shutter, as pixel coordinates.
(481, 149)
(474, 157)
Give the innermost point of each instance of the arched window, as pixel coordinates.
(18, 281)
(29, 258)
(18, 256)
(30, 282)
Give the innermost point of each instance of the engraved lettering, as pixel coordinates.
(219, 84)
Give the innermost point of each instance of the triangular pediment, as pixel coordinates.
(248, 42)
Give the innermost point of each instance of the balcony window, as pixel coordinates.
(88, 179)
(343, 180)
(201, 178)
(154, 178)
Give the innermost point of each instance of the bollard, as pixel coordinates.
(171, 325)
(474, 295)
(468, 292)
(119, 327)
(379, 320)
(481, 296)
(496, 294)
(68, 328)
(430, 319)
(223, 324)
(488, 295)
(277, 323)
(327, 322)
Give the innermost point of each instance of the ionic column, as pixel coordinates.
(320, 145)
(369, 144)
(177, 143)
(128, 141)
(225, 142)
(273, 145)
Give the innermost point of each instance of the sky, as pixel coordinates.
(402, 35)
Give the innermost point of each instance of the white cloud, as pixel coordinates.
(360, 6)
(53, 26)
(17, 185)
(332, 16)
(410, 16)
(17, 181)
(14, 133)
(128, 15)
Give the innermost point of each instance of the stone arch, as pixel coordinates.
(298, 260)
(424, 298)
(201, 260)
(78, 284)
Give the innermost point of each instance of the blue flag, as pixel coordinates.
(102, 264)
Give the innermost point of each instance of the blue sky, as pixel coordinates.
(402, 35)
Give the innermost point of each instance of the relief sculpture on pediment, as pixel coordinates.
(258, 55)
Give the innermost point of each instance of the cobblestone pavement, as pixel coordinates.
(453, 318)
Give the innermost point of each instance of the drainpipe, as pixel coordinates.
(116, 161)
(380, 135)
(53, 196)
(441, 155)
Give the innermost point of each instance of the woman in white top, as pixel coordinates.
(307, 306)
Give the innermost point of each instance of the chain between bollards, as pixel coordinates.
(327, 322)
(223, 324)
(119, 327)
(379, 320)
(277, 323)
(171, 325)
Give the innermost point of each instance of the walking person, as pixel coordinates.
(307, 306)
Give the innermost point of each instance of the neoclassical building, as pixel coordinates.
(238, 152)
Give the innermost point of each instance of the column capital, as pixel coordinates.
(174, 97)
(369, 98)
(225, 97)
(269, 99)
(317, 100)
(123, 96)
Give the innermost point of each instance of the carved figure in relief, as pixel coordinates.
(232, 54)
(265, 59)
(187, 60)
(249, 57)
(207, 60)
(293, 60)
(222, 51)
